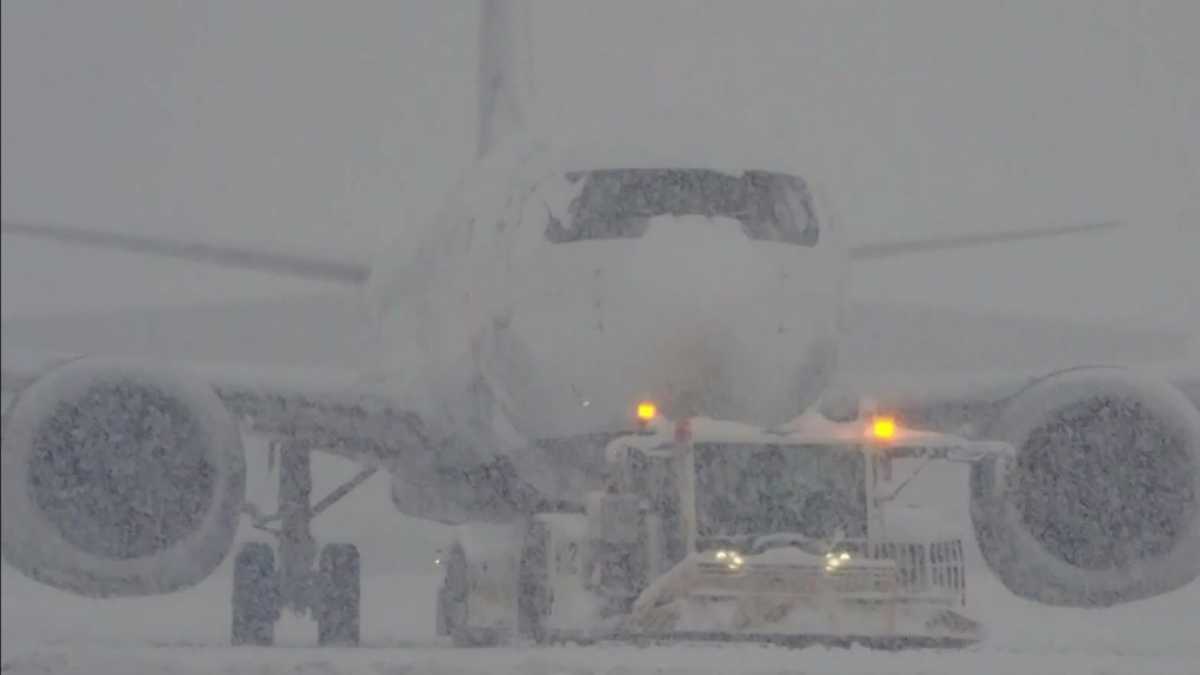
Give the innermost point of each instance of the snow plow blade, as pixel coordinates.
(783, 597)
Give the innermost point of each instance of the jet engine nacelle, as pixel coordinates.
(1102, 502)
(119, 478)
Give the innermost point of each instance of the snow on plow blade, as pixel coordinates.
(785, 596)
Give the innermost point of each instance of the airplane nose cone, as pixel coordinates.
(706, 265)
(691, 375)
(702, 294)
(693, 315)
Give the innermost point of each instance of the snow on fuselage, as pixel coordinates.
(554, 339)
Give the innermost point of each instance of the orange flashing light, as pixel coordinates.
(646, 411)
(883, 428)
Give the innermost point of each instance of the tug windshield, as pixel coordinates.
(753, 490)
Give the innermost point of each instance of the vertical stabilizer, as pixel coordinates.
(505, 66)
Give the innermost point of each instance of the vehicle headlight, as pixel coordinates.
(834, 560)
(730, 558)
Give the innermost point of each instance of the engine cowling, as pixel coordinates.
(119, 478)
(1102, 502)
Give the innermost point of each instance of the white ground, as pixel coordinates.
(47, 631)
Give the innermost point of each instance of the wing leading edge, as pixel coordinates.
(295, 265)
(892, 249)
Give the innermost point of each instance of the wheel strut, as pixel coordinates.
(297, 547)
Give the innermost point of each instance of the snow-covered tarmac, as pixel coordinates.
(45, 631)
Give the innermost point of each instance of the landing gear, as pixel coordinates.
(452, 605)
(262, 589)
(497, 585)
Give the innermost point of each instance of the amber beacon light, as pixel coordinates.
(883, 428)
(646, 411)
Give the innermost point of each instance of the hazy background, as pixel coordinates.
(316, 125)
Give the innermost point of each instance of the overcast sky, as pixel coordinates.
(315, 125)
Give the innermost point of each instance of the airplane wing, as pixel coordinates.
(941, 393)
(327, 409)
(286, 264)
(899, 354)
(338, 412)
(991, 357)
(323, 408)
(960, 401)
(891, 249)
(356, 273)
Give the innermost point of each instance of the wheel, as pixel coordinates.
(340, 585)
(255, 595)
(452, 605)
(534, 594)
(441, 626)
(452, 599)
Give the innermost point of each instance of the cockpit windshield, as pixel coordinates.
(755, 490)
(618, 203)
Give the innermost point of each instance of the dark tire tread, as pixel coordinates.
(338, 611)
(255, 596)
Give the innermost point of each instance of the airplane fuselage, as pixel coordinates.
(519, 336)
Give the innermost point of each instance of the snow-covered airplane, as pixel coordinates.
(564, 281)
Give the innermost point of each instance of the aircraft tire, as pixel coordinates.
(535, 597)
(255, 597)
(452, 601)
(339, 608)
